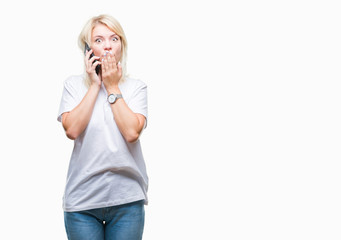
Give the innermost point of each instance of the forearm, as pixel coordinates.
(129, 123)
(75, 121)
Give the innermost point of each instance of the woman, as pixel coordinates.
(104, 114)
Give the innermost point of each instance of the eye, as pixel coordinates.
(115, 39)
(98, 40)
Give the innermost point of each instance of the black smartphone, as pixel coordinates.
(87, 48)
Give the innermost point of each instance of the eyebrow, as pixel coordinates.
(113, 35)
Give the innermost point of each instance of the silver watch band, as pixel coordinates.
(113, 97)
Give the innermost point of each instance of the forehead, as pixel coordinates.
(101, 30)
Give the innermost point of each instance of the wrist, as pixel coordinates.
(95, 86)
(114, 89)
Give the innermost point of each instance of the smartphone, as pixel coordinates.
(87, 48)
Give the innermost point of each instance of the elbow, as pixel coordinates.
(70, 131)
(132, 137)
(71, 134)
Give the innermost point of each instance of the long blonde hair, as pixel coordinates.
(113, 25)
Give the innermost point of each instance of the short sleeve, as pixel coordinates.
(138, 102)
(69, 99)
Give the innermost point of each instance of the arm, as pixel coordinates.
(129, 123)
(75, 121)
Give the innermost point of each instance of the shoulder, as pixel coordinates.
(74, 80)
(133, 84)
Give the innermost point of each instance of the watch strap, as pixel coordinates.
(116, 96)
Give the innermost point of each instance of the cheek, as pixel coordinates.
(97, 51)
(117, 52)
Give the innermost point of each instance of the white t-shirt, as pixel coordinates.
(104, 170)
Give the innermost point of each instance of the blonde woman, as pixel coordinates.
(104, 114)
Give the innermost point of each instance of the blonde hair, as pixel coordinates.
(113, 25)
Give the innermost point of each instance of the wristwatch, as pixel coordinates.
(113, 97)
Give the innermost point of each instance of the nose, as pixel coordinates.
(107, 45)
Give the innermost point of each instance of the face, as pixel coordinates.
(103, 40)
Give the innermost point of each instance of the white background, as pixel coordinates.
(244, 135)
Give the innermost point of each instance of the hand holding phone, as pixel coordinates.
(87, 48)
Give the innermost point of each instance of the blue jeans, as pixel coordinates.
(122, 222)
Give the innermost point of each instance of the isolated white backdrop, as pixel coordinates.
(243, 140)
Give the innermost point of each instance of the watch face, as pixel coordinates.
(111, 98)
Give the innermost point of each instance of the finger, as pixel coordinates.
(88, 52)
(104, 64)
(119, 69)
(95, 65)
(93, 59)
(91, 64)
(86, 58)
(87, 61)
(113, 62)
(87, 55)
(109, 58)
